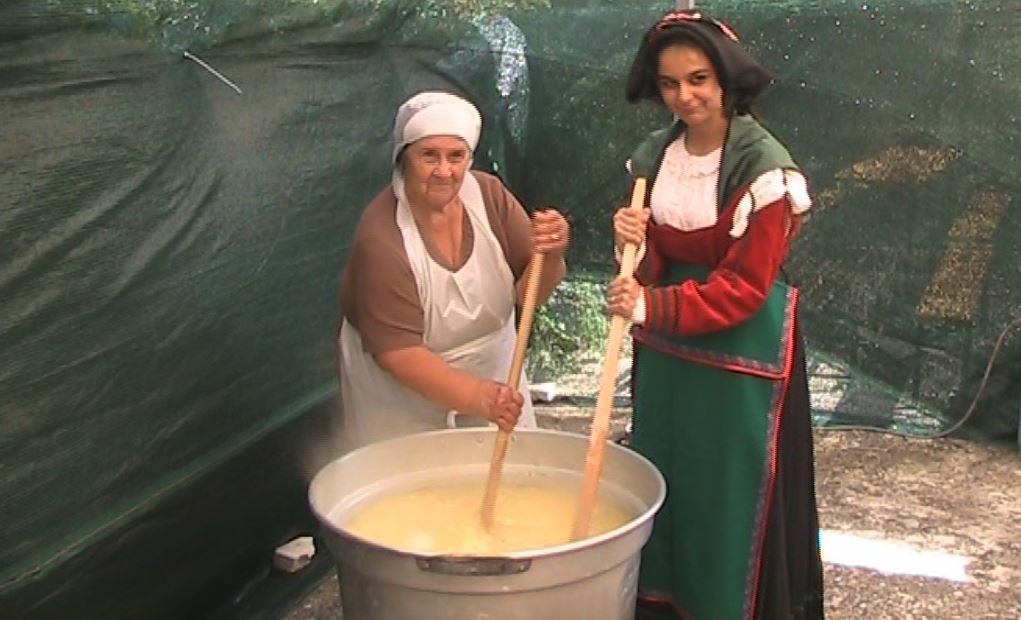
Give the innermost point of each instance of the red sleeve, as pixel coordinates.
(735, 289)
(651, 269)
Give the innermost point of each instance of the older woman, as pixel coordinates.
(429, 290)
(720, 392)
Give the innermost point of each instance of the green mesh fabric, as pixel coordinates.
(170, 246)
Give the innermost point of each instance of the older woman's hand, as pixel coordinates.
(629, 227)
(550, 232)
(498, 403)
(622, 295)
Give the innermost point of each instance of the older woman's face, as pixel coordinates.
(689, 86)
(434, 168)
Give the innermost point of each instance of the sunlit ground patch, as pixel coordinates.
(892, 557)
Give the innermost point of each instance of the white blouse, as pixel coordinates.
(684, 194)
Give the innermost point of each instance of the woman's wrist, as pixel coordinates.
(638, 314)
(473, 404)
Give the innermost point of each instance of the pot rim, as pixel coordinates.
(523, 554)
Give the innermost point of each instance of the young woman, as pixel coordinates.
(720, 392)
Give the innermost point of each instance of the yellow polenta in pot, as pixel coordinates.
(402, 519)
(446, 518)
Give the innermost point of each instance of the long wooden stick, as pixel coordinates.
(513, 378)
(601, 422)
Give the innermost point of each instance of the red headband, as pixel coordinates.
(679, 18)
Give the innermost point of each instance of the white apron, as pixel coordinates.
(469, 323)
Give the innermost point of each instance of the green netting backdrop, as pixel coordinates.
(169, 247)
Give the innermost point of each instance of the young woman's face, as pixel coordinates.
(689, 86)
(434, 168)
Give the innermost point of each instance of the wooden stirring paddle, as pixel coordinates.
(513, 378)
(601, 421)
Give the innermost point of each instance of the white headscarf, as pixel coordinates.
(435, 113)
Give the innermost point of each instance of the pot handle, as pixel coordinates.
(473, 566)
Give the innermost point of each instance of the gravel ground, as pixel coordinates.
(947, 495)
(944, 495)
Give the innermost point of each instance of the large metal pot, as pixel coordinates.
(595, 578)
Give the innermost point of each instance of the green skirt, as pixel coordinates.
(710, 413)
(707, 431)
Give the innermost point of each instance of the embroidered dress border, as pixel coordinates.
(776, 370)
(769, 469)
(664, 598)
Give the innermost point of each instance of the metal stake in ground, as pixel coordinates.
(601, 422)
(513, 379)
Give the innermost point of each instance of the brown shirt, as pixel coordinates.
(378, 295)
